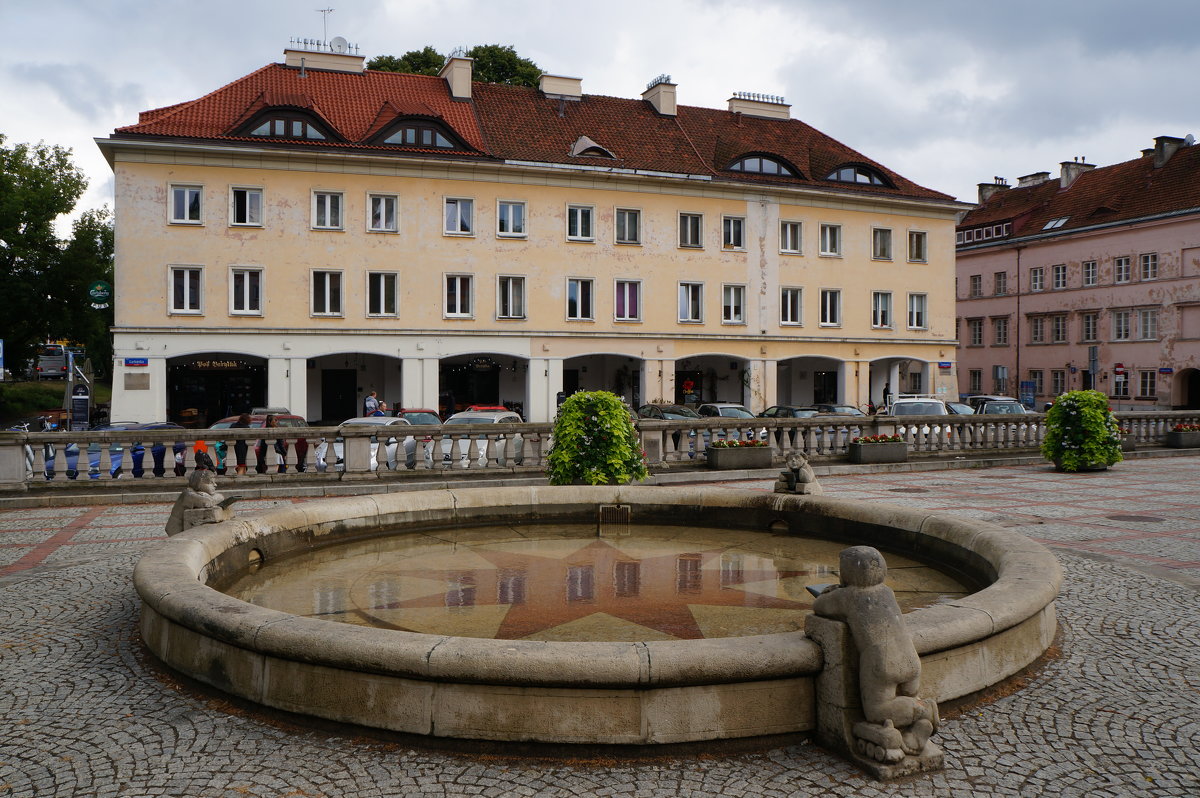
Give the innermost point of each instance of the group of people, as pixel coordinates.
(374, 406)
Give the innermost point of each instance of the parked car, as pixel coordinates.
(724, 410)
(840, 410)
(960, 409)
(1008, 407)
(978, 400)
(391, 444)
(667, 412)
(419, 416)
(919, 406)
(788, 411)
(51, 362)
(498, 446)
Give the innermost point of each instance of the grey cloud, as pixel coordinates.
(81, 88)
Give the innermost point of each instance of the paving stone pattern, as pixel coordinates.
(1117, 714)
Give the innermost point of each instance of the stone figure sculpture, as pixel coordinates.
(798, 478)
(895, 721)
(199, 504)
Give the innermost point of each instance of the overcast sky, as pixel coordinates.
(948, 93)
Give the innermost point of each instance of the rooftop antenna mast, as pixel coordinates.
(325, 12)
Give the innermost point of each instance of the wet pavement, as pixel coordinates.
(1114, 712)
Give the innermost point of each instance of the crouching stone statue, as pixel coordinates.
(199, 504)
(869, 705)
(798, 477)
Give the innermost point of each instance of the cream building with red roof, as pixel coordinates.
(315, 230)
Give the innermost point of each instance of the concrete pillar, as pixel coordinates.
(544, 380)
(761, 391)
(658, 381)
(279, 389)
(297, 378)
(859, 383)
(419, 386)
(894, 377)
(139, 393)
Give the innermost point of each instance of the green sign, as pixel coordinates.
(100, 292)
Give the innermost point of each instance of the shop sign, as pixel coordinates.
(216, 365)
(137, 361)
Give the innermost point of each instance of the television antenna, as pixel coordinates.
(325, 12)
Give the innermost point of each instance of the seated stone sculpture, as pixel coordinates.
(199, 504)
(799, 477)
(897, 721)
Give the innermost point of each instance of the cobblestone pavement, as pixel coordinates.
(1116, 714)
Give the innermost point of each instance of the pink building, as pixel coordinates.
(1091, 280)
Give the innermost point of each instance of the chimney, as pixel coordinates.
(751, 104)
(1164, 148)
(987, 190)
(1035, 179)
(1072, 170)
(558, 87)
(324, 59)
(457, 73)
(660, 93)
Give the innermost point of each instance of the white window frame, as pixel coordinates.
(1059, 330)
(1090, 273)
(378, 199)
(383, 277)
(1122, 270)
(627, 288)
(733, 303)
(1037, 278)
(323, 203)
(831, 240)
(1000, 283)
(690, 238)
(581, 223)
(975, 332)
(831, 307)
(245, 275)
(1037, 330)
(975, 380)
(1058, 276)
(918, 311)
(184, 307)
(251, 192)
(621, 218)
(1147, 385)
(1148, 324)
(1089, 326)
(1058, 382)
(1038, 378)
(188, 190)
(975, 286)
(733, 233)
(510, 296)
(791, 237)
(918, 246)
(463, 306)
(1000, 330)
(504, 216)
(881, 243)
(881, 310)
(1122, 323)
(791, 306)
(576, 286)
(331, 277)
(691, 297)
(453, 217)
(1149, 265)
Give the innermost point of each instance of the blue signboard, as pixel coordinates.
(944, 364)
(137, 361)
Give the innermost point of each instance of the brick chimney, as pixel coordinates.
(988, 190)
(457, 73)
(1164, 148)
(1072, 170)
(1035, 179)
(767, 105)
(660, 93)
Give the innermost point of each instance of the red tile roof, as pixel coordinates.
(520, 124)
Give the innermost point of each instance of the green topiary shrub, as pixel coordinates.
(1082, 432)
(595, 442)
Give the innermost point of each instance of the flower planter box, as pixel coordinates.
(739, 457)
(879, 452)
(1128, 444)
(1183, 440)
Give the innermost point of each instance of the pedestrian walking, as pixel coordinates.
(370, 404)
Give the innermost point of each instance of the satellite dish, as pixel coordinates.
(338, 44)
(1189, 140)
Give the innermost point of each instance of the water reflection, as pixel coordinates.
(565, 583)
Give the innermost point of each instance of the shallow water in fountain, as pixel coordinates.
(567, 583)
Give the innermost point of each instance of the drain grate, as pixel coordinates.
(615, 513)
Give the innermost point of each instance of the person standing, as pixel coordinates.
(887, 394)
(240, 447)
(382, 410)
(370, 404)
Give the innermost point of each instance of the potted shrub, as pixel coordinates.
(726, 455)
(1082, 434)
(878, 449)
(595, 442)
(1184, 436)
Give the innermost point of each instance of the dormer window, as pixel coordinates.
(864, 175)
(422, 133)
(287, 125)
(761, 165)
(584, 146)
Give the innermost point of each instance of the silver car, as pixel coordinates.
(499, 446)
(390, 446)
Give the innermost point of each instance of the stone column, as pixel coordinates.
(297, 380)
(763, 387)
(544, 380)
(279, 388)
(420, 382)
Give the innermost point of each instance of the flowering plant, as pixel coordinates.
(877, 439)
(1082, 432)
(1186, 428)
(595, 442)
(726, 444)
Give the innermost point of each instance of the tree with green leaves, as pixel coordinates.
(85, 258)
(494, 63)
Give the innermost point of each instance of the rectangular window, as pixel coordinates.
(510, 297)
(384, 217)
(579, 299)
(458, 296)
(1120, 325)
(1058, 382)
(186, 285)
(881, 243)
(790, 238)
(831, 307)
(459, 217)
(326, 210)
(1121, 270)
(628, 300)
(917, 309)
(1000, 331)
(790, 305)
(881, 309)
(1000, 283)
(691, 302)
(510, 219)
(733, 304)
(917, 246)
(1058, 329)
(976, 285)
(186, 205)
(326, 293)
(1058, 276)
(690, 230)
(1090, 326)
(245, 207)
(831, 239)
(1147, 385)
(1037, 377)
(382, 294)
(975, 332)
(975, 381)
(1149, 267)
(245, 292)
(1089, 273)
(1037, 279)
(579, 223)
(1148, 324)
(733, 232)
(1037, 330)
(629, 226)
(1121, 385)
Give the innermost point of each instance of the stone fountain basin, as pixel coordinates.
(576, 692)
